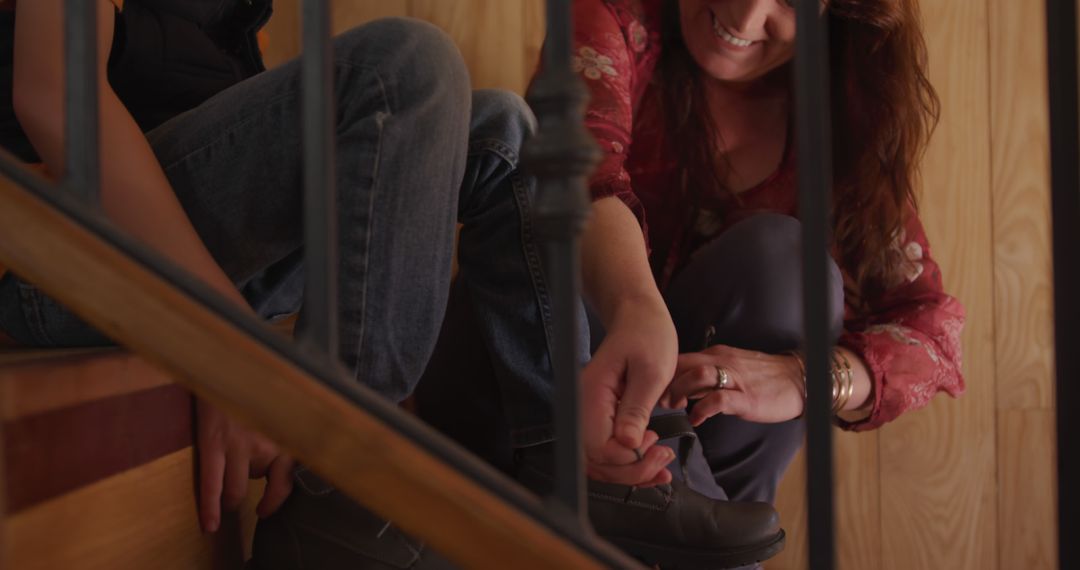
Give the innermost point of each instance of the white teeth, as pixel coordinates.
(724, 35)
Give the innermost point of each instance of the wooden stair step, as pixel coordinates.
(99, 468)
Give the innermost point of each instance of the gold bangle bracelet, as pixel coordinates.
(836, 374)
(802, 370)
(841, 373)
(847, 381)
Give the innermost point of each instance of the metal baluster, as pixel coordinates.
(815, 192)
(82, 115)
(1065, 192)
(320, 327)
(561, 155)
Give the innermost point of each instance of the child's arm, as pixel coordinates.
(137, 197)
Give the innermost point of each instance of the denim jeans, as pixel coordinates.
(410, 165)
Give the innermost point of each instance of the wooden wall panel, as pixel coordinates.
(489, 34)
(1027, 511)
(284, 27)
(1019, 120)
(346, 14)
(283, 32)
(535, 25)
(499, 39)
(938, 483)
(858, 501)
(791, 504)
(858, 512)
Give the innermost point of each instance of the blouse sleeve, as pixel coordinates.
(911, 341)
(604, 56)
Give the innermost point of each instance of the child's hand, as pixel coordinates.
(229, 455)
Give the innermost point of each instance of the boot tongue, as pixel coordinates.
(676, 425)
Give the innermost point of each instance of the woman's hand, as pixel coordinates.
(620, 388)
(229, 455)
(761, 388)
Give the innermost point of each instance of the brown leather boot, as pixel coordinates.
(671, 525)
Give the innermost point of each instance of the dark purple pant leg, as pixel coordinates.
(747, 286)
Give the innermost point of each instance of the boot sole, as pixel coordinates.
(677, 558)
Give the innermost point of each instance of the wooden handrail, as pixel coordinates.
(220, 362)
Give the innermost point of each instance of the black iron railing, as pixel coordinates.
(319, 328)
(812, 112)
(1062, 62)
(561, 155)
(83, 167)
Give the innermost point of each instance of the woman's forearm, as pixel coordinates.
(136, 195)
(615, 262)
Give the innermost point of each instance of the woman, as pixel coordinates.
(691, 261)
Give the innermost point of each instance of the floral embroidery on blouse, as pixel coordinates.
(910, 256)
(900, 333)
(592, 64)
(638, 36)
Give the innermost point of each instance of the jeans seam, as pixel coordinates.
(532, 435)
(535, 434)
(532, 257)
(496, 147)
(370, 209)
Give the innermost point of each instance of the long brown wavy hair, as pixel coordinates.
(883, 111)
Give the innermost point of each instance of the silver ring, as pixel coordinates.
(723, 379)
(637, 452)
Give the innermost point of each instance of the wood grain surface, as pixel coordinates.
(857, 494)
(346, 14)
(791, 504)
(858, 501)
(938, 466)
(1027, 514)
(50, 453)
(46, 384)
(143, 518)
(489, 34)
(500, 39)
(1020, 124)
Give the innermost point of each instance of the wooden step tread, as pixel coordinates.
(99, 468)
(42, 380)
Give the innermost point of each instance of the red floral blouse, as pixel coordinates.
(911, 339)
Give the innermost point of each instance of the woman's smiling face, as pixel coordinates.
(738, 41)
